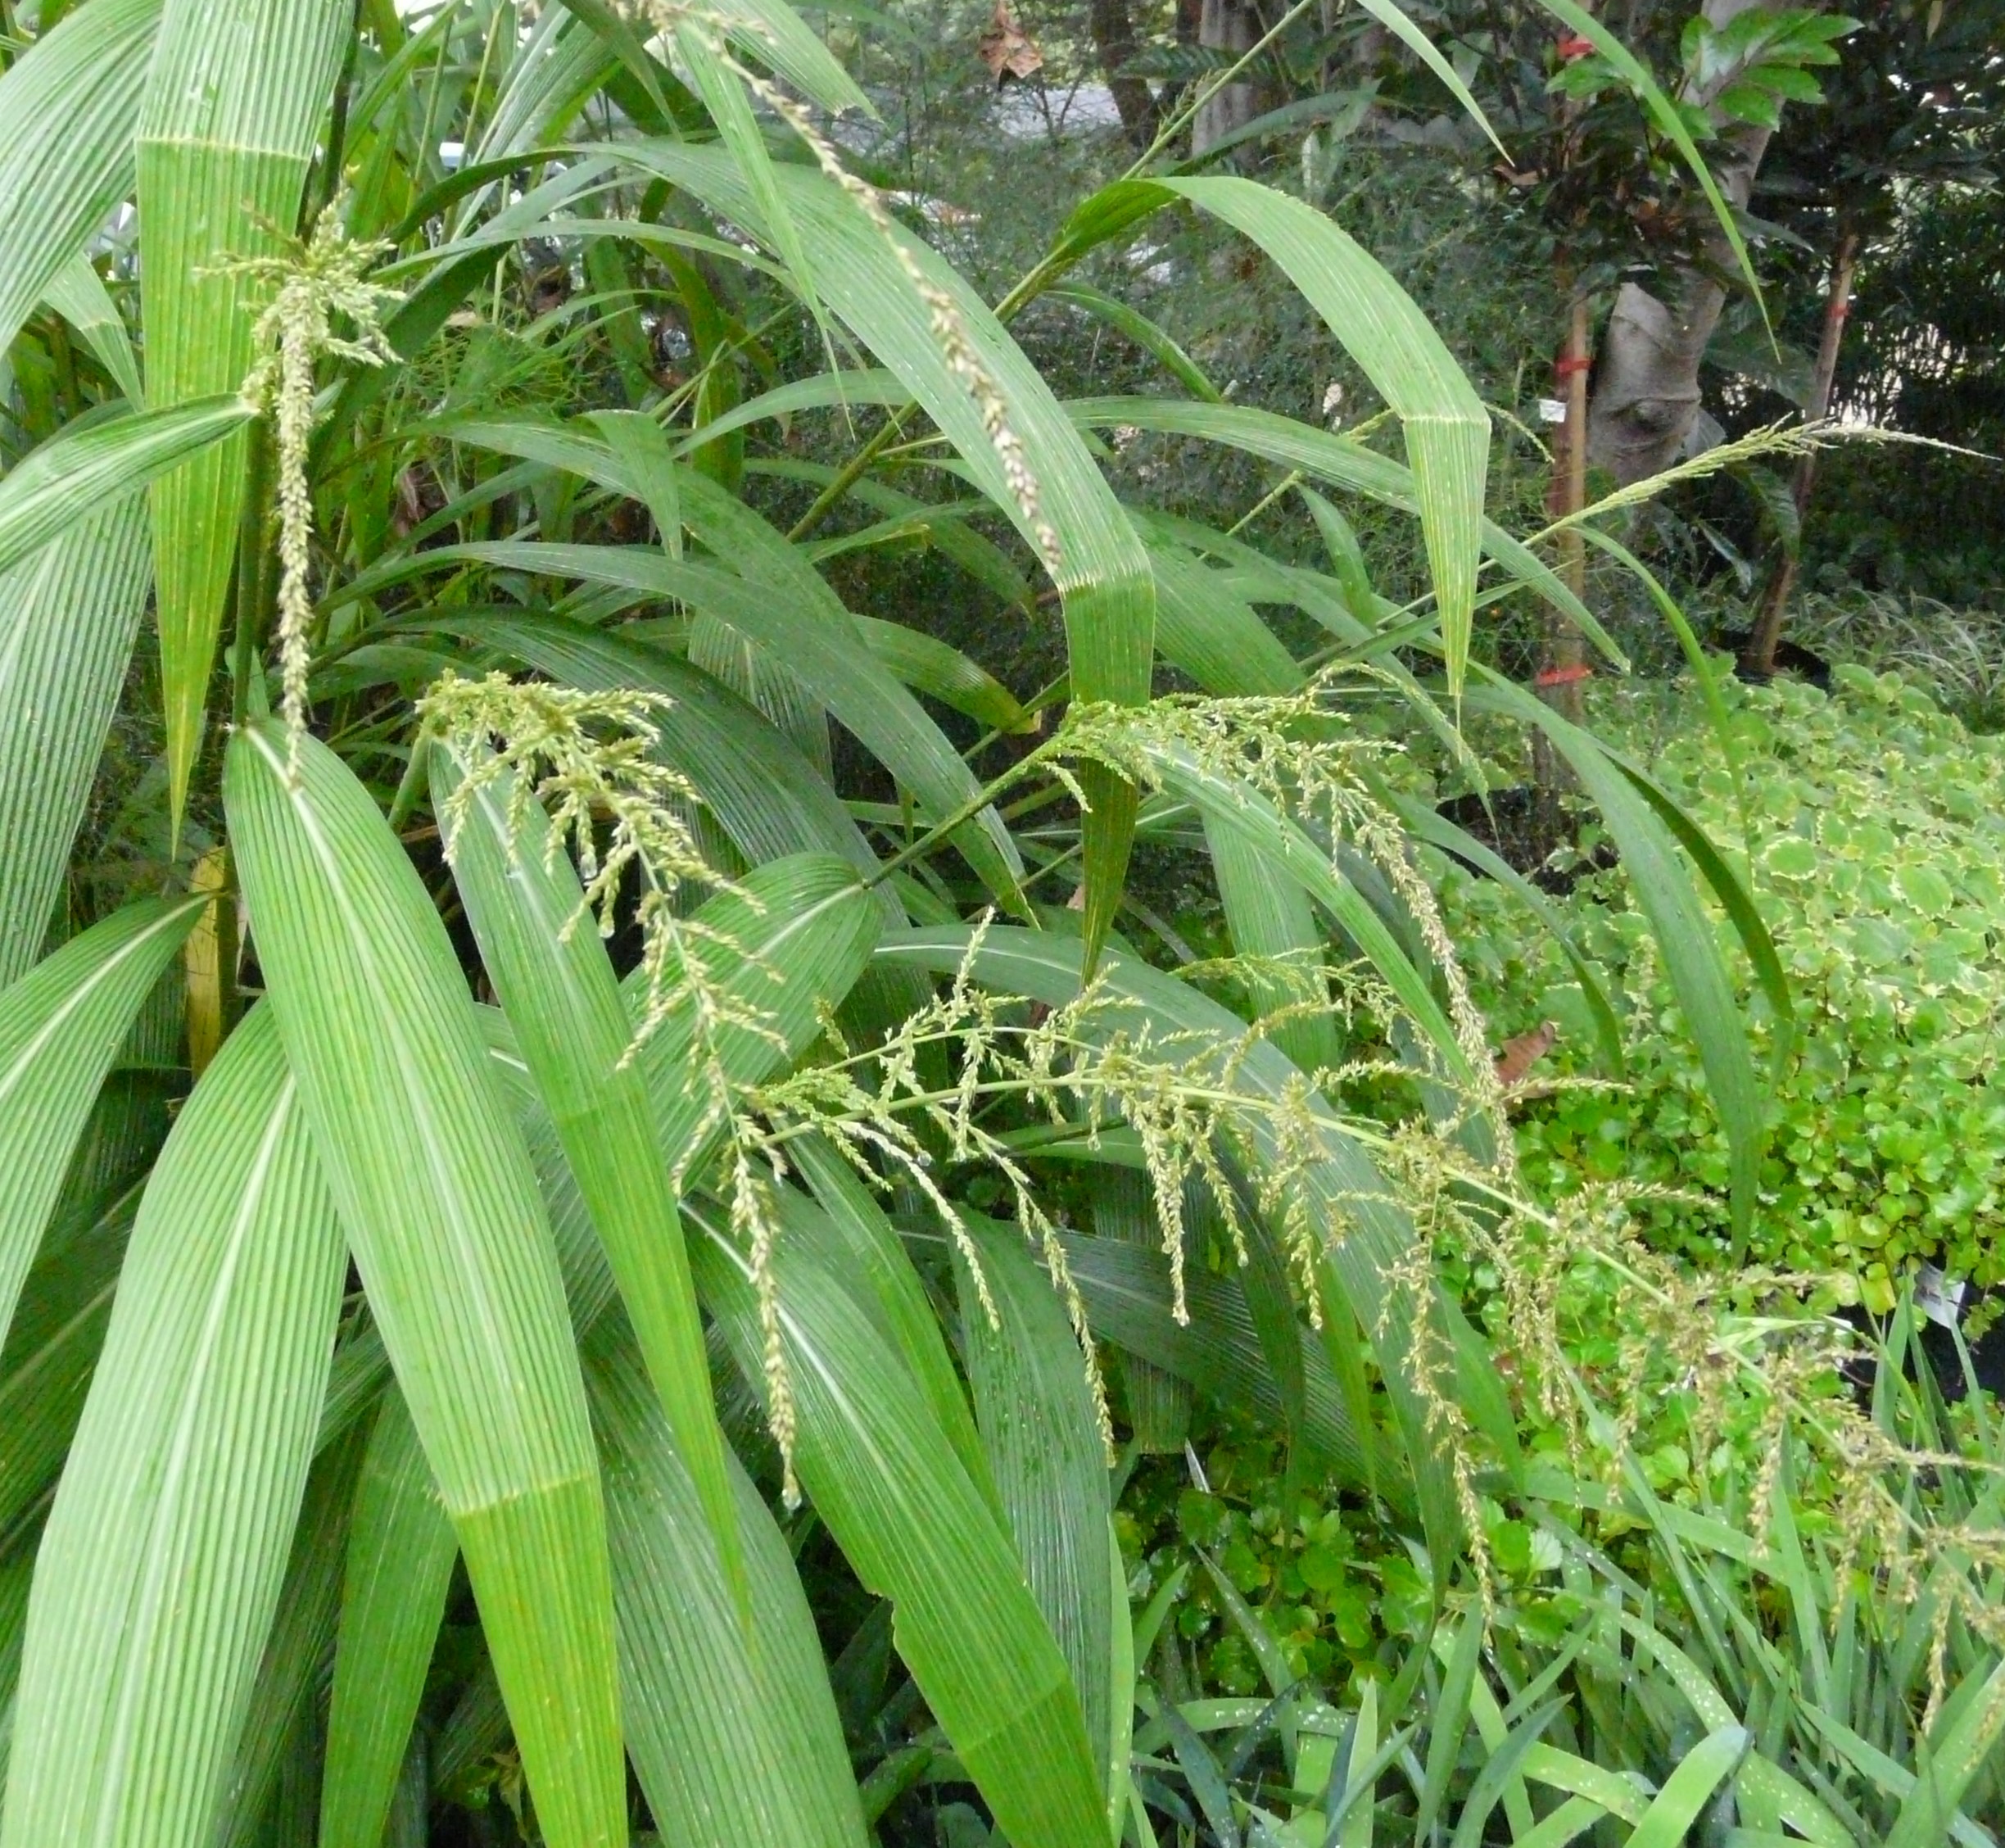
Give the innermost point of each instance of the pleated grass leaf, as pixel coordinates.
(232, 112)
(400, 1554)
(1446, 428)
(164, 1550)
(885, 1478)
(440, 1201)
(68, 480)
(1106, 590)
(542, 948)
(69, 614)
(734, 1742)
(61, 1027)
(66, 111)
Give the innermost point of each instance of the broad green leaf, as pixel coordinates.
(160, 1566)
(1214, 636)
(929, 665)
(556, 983)
(1104, 575)
(884, 1478)
(290, 1676)
(1341, 462)
(828, 658)
(560, 66)
(1686, 1790)
(67, 481)
(1158, 1398)
(61, 1027)
(854, 1226)
(1132, 325)
(232, 113)
(1039, 1426)
(68, 617)
(66, 111)
(734, 1742)
(785, 946)
(1269, 919)
(440, 1204)
(400, 1554)
(1272, 840)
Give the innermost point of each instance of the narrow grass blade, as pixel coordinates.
(440, 1200)
(1446, 428)
(67, 107)
(68, 618)
(61, 1027)
(1690, 1788)
(734, 1742)
(160, 1567)
(233, 109)
(556, 984)
(400, 1554)
(884, 1478)
(1949, 1765)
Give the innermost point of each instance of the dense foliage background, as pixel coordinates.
(1000, 925)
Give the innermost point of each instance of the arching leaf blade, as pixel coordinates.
(160, 1566)
(886, 1481)
(69, 614)
(1046, 1455)
(440, 1201)
(61, 1027)
(734, 1743)
(1102, 572)
(67, 110)
(68, 480)
(556, 985)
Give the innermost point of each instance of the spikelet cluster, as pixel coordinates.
(316, 286)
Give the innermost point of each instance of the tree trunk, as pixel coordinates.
(1563, 654)
(1114, 39)
(1646, 390)
(1761, 649)
(1233, 26)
